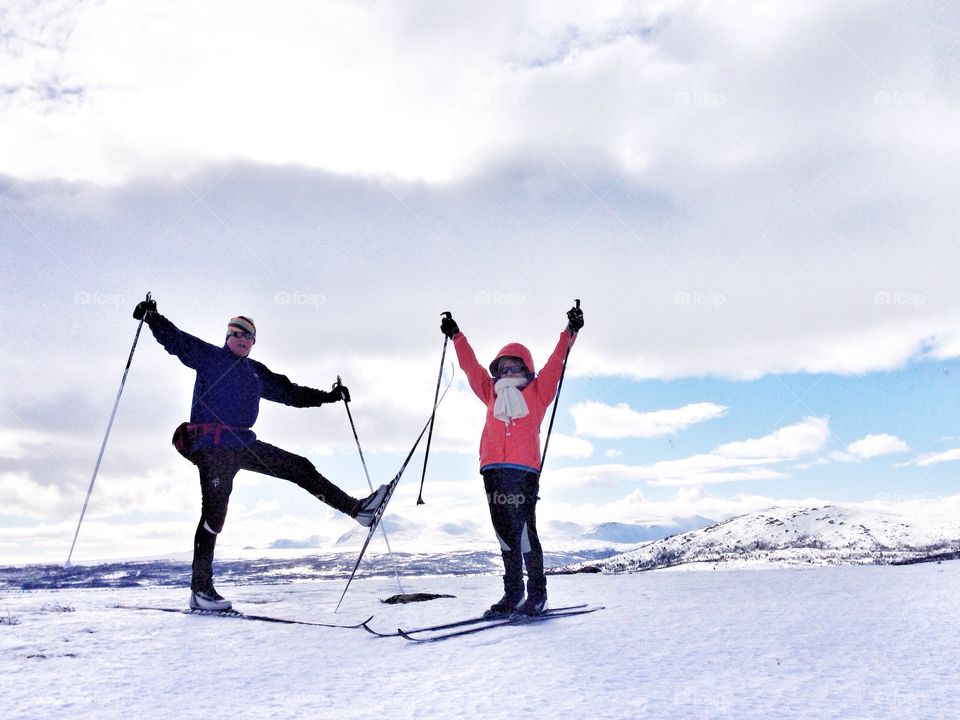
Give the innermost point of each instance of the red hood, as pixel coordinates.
(513, 350)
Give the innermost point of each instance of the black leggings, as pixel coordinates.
(218, 466)
(512, 499)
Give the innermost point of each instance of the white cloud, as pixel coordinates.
(792, 441)
(694, 479)
(947, 456)
(107, 90)
(18, 443)
(569, 446)
(875, 445)
(732, 462)
(23, 496)
(840, 457)
(596, 419)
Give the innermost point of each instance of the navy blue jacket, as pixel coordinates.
(228, 388)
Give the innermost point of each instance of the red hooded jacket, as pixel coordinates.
(519, 442)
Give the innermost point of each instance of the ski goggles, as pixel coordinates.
(244, 335)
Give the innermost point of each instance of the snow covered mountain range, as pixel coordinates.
(413, 536)
(801, 536)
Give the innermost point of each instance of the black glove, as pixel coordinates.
(574, 319)
(143, 307)
(448, 326)
(340, 392)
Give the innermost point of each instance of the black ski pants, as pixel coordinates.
(512, 499)
(219, 465)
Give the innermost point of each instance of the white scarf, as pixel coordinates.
(510, 404)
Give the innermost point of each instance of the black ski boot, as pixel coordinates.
(368, 506)
(209, 599)
(536, 596)
(505, 606)
(535, 604)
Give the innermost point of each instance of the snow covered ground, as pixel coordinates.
(828, 642)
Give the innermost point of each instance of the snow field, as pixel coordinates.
(833, 642)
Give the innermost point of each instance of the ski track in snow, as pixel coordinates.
(832, 642)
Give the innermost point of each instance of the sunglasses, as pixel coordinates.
(512, 370)
(244, 335)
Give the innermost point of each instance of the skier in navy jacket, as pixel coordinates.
(220, 441)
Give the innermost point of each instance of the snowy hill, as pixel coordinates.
(632, 533)
(417, 536)
(800, 536)
(475, 535)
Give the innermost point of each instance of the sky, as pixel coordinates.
(754, 202)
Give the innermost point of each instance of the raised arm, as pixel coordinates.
(549, 376)
(191, 351)
(480, 381)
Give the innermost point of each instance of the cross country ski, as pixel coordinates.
(231, 613)
(478, 620)
(518, 619)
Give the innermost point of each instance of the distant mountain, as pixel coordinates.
(557, 535)
(314, 541)
(634, 534)
(800, 536)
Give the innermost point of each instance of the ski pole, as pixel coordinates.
(556, 400)
(436, 394)
(103, 445)
(367, 473)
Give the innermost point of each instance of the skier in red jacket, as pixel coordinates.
(517, 399)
